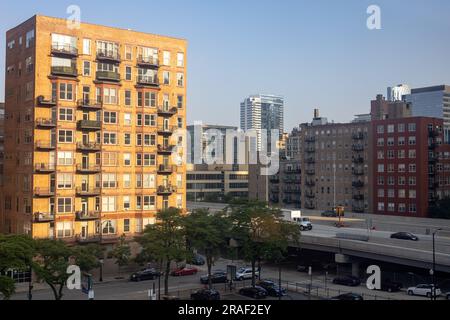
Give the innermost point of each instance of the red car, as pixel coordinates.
(184, 272)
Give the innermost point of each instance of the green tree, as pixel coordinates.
(207, 233)
(53, 258)
(260, 231)
(122, 253)
(88, 257)
(164, 242)
(16, 252)
(440, 209)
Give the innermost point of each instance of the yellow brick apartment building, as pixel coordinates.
(92, 121)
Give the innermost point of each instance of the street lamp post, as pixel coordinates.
(279, 280)
(433, 295)
(101, 270)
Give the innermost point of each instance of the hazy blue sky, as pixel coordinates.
(316, 53)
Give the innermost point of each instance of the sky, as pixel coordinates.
(317, 53)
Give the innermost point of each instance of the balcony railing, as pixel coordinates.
(91, 168)
(311, 172)
(64, 49)
(358, 184)
(163, 130)
(165, 149)
(166, 190)
(88, 146)
(310, 183)
(310, 195)
(65, 71)
(358, 147)
(44, 192)
(162, 169)
(40, 217)
(358, 160)
(358, 197)
(108, 55)
(147, 80)
(44, 167)
(108, 76)
(358, 136)
(166, 111)
(45, 145)
(148, 61)
(109, 238)
(46, 123)
(357, 172)
(87, 215)
(83, 191)
(89, 125)
(46, 101)
(88, 239)
(310, 149)
(89, 104)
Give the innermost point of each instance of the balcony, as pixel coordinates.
(45, 123)
(150, 62)
(88, 239)
(90, 125)
(108, 76)
(151, 81)
(87, 215)
(310, 195)
(89, 146)
(108, 55)
(357, 172)
(162, 169)
(40, 217)
(310, 172)
(64, 49)
(291, 190)
(44, 168)
(45, 145)
(310, 139)
(88, 169)
(44, 192)
(310, 183)
(310, 149)
(358, 197)
(433, 133)
(167, 112)
(358, 136)
(89, 104)
(358, 160)
(163, 130)
(165, 150)
(65, 71)
(358, 184)
(310, 205)
(311, 160)
(166, 190)
(109, 238)
(358, 147)
(87, 192)
(46, 101)
(358, 209)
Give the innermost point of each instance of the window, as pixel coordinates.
(149, 160)
(149, 181)
(412, 181)
(139, 139)
(401, 181)
(11, 44)
(110, 95)
(110, 117)
(180, 122)
(109, 180)
(391, 181)
(64, 229)
(126, 222)
(391, 207)
(65, 114)
(127, 159)
(401, 154)
(402, 193)
(401, 207)
(390, 142)
(109, 226)
(401, 141)
(380, 168)
(380, 142)
(108, 204)
(412, 208)
(179, 181)
(180, 101)
(412, 194)
(149, 140)
(166, 77)
(150, 99)
(110, 138)
(29, 37)
(127, 139)
(412, 154)
(149, 120)
(145, 202)
(390, 128)
(65, 136)
(179, 201)
(402, 168)
(391, 193)
(390, 154)
(411, 127)
(29, 64)
(87, 46)
(127, 98)
(180, 59)
(401, 127)
(86, 68)
(65, 158)
(126, 180)
(380, 155)
(380, 206)
(180, 79)
(65, 91)
(29, 91)
(109, 159)
(380, 193)
(380, 129)
(412, 168)
(128, 75)
(412, 141)
(128, 52)
(65, 181)
(64, 205)
(127, 119)
(166, 58)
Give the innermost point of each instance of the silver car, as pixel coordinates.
(425, 290)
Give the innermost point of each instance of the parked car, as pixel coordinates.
(255, 293)
(391, 286)
(184, 272)
(197, 260)
(349, 297)
(245, 273)
(423, 290)
(216, 277)
(349, 281)
(272, 288)
(205, 295)
(447, 296)
(404, 236)
(146, 274)
(329, 213)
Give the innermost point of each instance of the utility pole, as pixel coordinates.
(433, 271)
(334, 181)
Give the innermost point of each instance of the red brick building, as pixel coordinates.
(411, 165)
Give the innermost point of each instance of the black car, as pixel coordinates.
(255, 293)
(404, 236)
(391, 286)
(329, 213)
(198, 260)
(272, 288)
(206, 295)
(146, 274)
(216, 277)
(349, 281)
(349, 297)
